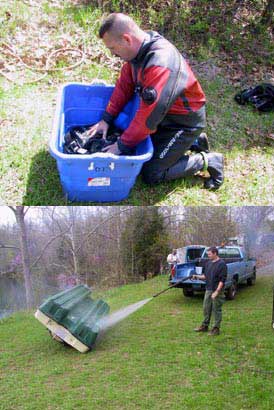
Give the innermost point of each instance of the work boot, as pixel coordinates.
(215, 331)
(215, 168)
(201, 144)
(201, 328)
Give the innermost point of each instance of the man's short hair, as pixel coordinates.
(213, 249)
(117, 24)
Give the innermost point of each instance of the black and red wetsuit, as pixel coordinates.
(172, 104)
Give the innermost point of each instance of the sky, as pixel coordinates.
(6, 216)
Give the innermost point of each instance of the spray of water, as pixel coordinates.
(114, 318)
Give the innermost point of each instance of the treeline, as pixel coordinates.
(50, 248)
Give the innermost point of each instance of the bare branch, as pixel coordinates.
(8, 247)
(25, 210)
(59, 265)
(7, 272)
(99, 224)
(45, 247)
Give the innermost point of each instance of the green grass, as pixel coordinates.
(152, 359)
(29, 176)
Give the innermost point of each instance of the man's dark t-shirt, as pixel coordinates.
(215, 272)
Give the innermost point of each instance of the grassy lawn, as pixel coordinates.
(28, 174)
(151, 360)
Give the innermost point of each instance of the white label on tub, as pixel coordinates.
(102, 181)
(112, 166)
(91, 166)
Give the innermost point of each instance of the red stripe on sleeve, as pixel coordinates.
(123, 91)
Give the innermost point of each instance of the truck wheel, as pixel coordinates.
(188, 292)
(231, 292)
(251, 281)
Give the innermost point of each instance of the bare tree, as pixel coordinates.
(20, 212)
(27, 262)
(90, 244)
(207, 225)
(73, 239)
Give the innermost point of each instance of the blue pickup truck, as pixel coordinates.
(240, 269)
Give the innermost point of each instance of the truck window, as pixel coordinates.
(193, 254)
(226, 253)
(229, 253)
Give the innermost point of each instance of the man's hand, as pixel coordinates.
(198, 277)
(113, 149)
(214, 294)
(101, 126)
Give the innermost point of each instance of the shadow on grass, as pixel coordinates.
(197, 298)
(179, 300)
(43, 185)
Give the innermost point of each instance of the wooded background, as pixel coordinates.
(230, 29)
(50, 248)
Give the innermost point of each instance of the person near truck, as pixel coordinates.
(173, 259)
(215, 274)
(172, 105)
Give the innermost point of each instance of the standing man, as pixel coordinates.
(173, 259)
(172, 104)
(215, 276)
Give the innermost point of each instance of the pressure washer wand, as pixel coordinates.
(172, 286)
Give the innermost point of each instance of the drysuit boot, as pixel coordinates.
(186, 166)
(215, 169)
(201, 144)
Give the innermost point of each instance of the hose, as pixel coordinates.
(172, 286)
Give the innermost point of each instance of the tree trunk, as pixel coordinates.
(72, 236)
(20, 219)
(132, 261)
(118, 222)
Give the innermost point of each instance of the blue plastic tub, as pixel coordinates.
(99, 177)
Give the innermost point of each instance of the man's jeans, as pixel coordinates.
(214, 307)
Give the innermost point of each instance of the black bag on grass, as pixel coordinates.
(260, 96)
